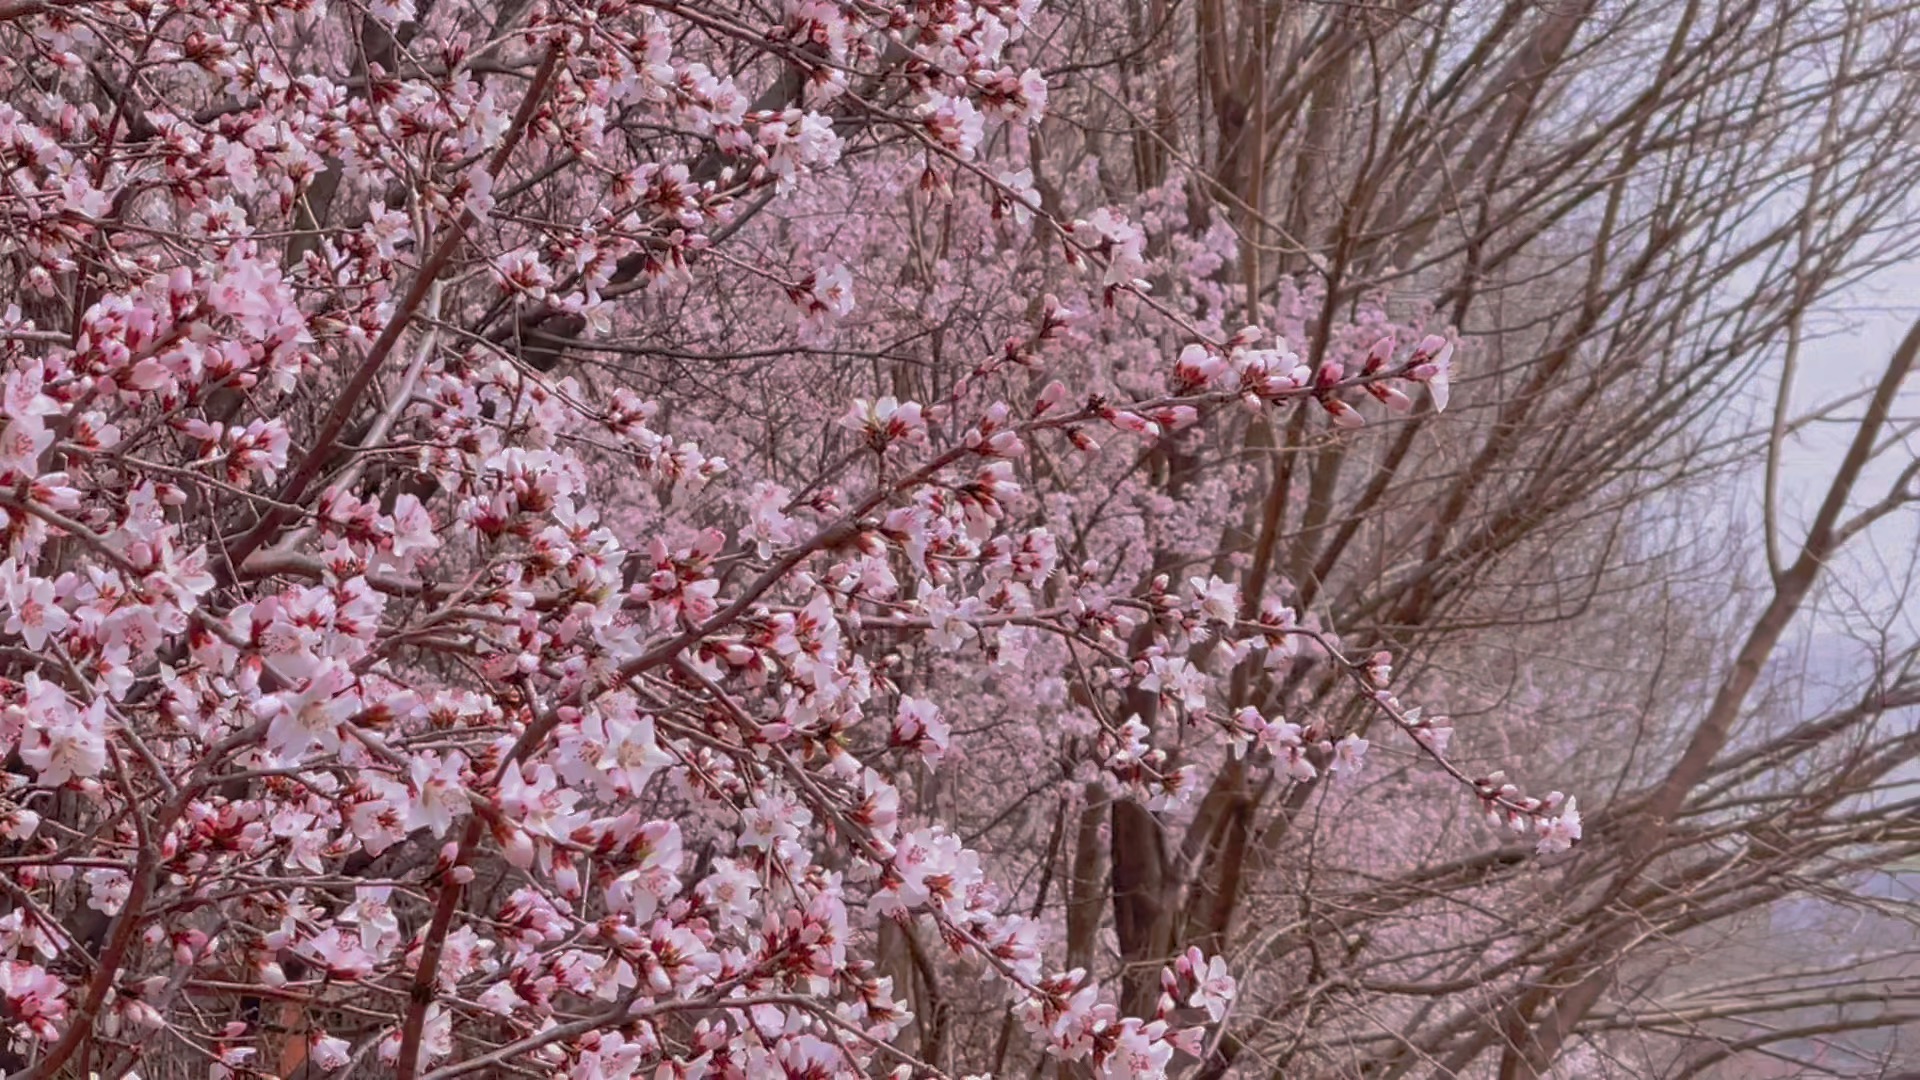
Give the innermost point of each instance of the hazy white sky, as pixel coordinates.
(1865, 328)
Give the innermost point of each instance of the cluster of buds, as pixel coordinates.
(1262, 375)
(1554, 819)
(1143, 768)
(1432, 732)
(1294, 748)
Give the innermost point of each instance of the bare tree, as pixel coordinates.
(1629, 212)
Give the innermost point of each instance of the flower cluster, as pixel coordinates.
(365, 658)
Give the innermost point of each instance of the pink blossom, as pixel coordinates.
(1141, 1052)
(730, 890)
(950, 623)
(311, 716)
(107, 890)
(1214, 989)
(521, 270)
(412, 529)
(1177, 679)
(1215, 599)
(65, 743)
(439, 794)
(772, 820)
(370, 912)
(918, 725)
(328, 1052)
(768, 527)
(1562, 830)
(1432, 363)
(1349, 754)
(340, 955)
(35, 614)
(887, 420)
(35, 999)
(1125, 244)
(22, 442)
(954, 123)
(1021, 198)
(832, 290)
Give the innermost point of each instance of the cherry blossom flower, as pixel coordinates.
(769, 526)
(1216, 599)
(521, 270)
(832, 290)
(954, 123)
(36, 1000)
(22, 442)
(950, 622)
(730, 890)
(1349, 754)
(1141, 1052)
(311, 716)
(887, 420)
(328, 1052)
(1561, 831)
(34, 612)
(107, 890)
(370, 911)
(413, 530)
(1022, 199)
(918, 725)
(339, 954)
(773, 820)
(66, 743)
(1432, 363)
(440, 796)
(1175, 678)
(1213, 989)
(392, 12)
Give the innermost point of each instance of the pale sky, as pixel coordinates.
(1867, 326)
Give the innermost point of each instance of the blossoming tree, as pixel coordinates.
(388, 689)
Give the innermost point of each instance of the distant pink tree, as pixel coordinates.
(476, 576)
